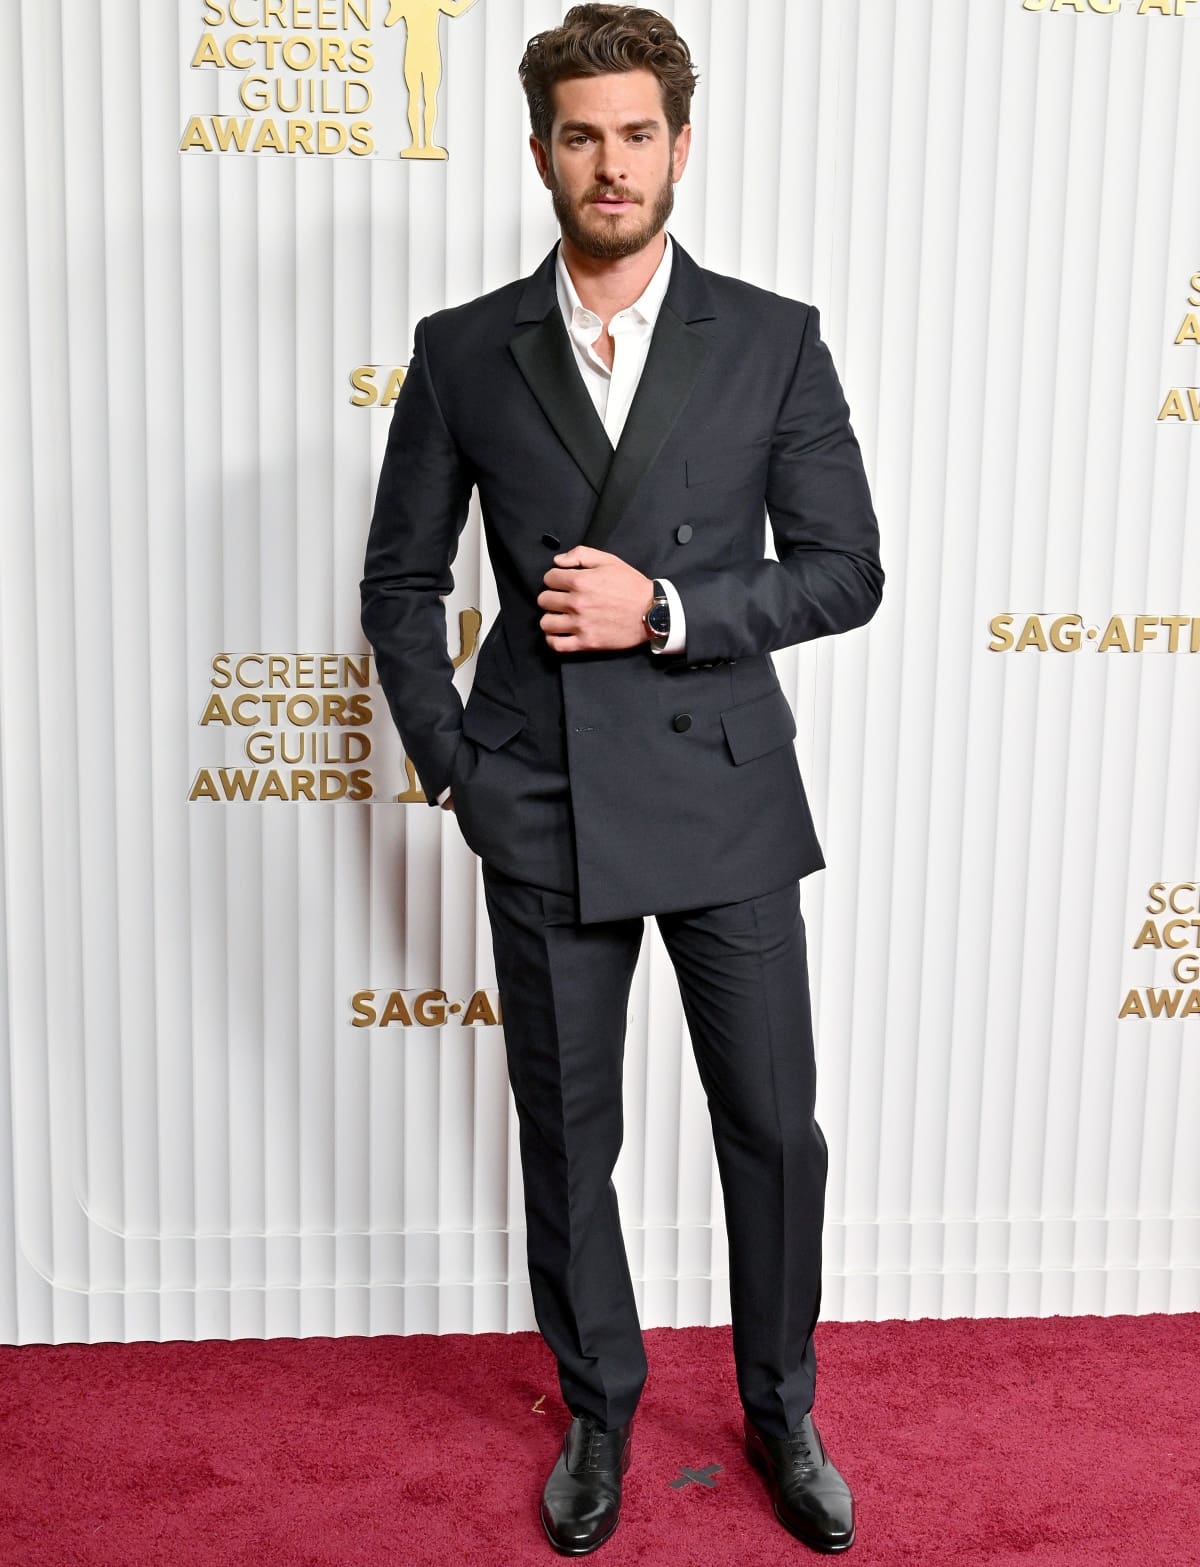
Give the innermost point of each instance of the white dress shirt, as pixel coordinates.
(612, 390)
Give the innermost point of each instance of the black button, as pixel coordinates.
(683, 532)
(551, 541)
(681, 721)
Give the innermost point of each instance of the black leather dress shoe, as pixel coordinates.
(581, 1501)
(811, 1498)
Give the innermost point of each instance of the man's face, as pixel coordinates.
(611, 167)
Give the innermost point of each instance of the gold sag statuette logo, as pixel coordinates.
(295, 77)
(423, 67)
(1111, 7)
(424, 1009)
(1178, 932)
(308, 717)
(1183, 402)
(1046, 633)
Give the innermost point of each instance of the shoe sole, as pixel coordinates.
(814, 1543)
(580, 1550)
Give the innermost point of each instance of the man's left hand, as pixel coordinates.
(594, 600)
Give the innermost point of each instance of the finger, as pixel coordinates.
(562, 644)
(562, 579)
(581, 555)
(562, 624)
(550, 599)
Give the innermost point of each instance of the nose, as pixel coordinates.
(610, 160)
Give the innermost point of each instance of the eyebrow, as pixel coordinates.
(632, 125)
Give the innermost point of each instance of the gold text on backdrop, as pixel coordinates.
(1182, 403)
(376, 386)
(1044, 632)
(308, 715)
(1111, 7)
(295, 78)
(424, 1009)
(1178, 934)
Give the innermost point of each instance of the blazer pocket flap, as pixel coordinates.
(760, 725)
(490, 722)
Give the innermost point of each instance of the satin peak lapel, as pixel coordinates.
(546, 359)
(675, 359)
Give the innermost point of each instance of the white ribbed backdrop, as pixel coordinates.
(996, 212)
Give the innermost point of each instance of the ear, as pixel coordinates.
(542, 159)
(679, 152)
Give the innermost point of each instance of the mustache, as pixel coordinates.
(611, 193)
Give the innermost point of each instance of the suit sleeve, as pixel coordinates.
(828, 577)
(420, 507)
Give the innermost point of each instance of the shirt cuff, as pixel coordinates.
(678, 637)
(443, 794)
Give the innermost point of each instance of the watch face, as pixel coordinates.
(658, 618)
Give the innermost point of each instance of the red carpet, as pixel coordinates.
(1053, 1440)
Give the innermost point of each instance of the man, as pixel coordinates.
(626, 748)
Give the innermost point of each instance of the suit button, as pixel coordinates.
(550, 540)
(681, 721)
(683, 532)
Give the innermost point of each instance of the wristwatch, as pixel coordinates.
(657, 618)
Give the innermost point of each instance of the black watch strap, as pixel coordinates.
(658, 618)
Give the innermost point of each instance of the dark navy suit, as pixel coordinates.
(601, 787)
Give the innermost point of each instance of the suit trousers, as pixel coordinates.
(743, 978)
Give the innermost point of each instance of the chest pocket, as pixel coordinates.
(740, 462)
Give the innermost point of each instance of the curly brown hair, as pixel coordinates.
(596, 39)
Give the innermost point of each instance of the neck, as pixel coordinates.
(608, 284)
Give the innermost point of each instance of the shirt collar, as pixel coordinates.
(645, 307)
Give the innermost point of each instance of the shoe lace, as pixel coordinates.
(595, 1436)
(798, 1450)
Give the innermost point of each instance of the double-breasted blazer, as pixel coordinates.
(643, 782)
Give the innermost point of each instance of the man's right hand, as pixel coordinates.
(448, 803)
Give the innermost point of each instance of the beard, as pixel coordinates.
(609, 238)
